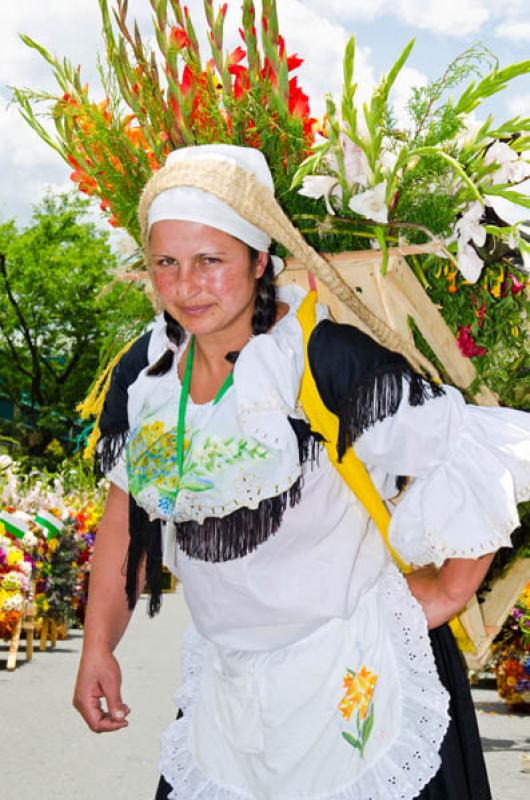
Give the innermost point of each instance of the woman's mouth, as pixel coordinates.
(195, 311)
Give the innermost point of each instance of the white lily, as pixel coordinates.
(512, 168)
(467, 230)
(511, 213)
(356, 167)
(470, 263)
(468, 227)
(372, 203)
(317, 186)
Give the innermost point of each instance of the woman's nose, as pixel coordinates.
(188, 279)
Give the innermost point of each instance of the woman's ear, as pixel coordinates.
(261, 264)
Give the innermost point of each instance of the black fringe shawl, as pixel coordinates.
(360, 381)
(379, 396)
(217, 538)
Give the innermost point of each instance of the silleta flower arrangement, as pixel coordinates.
(512, 654)
(49, 528)
(352, 180)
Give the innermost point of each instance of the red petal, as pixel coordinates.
(293, 62)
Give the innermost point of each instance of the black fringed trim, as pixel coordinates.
(309, 442)
(145, 539)
(378, 396)
(239, 533)
(109, 449)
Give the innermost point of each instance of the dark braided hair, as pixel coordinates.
(262, 319)
(265, 309)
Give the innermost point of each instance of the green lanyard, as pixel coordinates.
(183, 403)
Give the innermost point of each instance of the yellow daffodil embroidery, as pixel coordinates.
(357, 704)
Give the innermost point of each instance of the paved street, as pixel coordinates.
(48, 753)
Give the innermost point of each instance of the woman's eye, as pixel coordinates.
(211, 260)
(165, 262)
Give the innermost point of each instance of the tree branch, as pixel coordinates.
(36, 375)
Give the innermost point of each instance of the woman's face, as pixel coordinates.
(204, 277)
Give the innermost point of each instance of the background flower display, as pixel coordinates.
(16, 567)
(57, 563)
(512, 654)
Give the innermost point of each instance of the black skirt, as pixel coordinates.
(462, 774)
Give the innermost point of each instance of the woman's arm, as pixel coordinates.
(443, 593)
(107, 616)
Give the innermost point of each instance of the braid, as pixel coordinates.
(265, 308)
(175, 334)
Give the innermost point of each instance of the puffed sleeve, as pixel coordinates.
(470, 465)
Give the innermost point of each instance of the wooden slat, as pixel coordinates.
(394, 297)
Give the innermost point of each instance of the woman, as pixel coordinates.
(309, 672)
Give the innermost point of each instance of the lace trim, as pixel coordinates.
(431, 549)
(399, 774)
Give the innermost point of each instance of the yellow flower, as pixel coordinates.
(359, 692)
(14, 556)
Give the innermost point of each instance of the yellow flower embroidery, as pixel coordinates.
(358, 697)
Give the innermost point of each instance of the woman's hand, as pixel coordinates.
(445, 592)
(107, 616)
(99, 678)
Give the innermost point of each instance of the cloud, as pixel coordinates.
(514, 31)
(408, 79)
(450, 17)
(456, 18)
(519, 105)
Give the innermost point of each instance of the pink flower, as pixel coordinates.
(467, 344)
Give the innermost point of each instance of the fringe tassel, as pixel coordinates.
(378, 397)
(92, 405)
(109, 449)
(239, 533)
(309, 442)
(145, 541)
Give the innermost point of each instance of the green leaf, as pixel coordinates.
(398, 66)
(351, 740)
(438, 152)
(349, 58)
(509, 194)
(368, 725)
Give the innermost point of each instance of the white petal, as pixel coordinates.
(317, 186)
(499, 153)
(511, 213)
(479, 235)
(469, 263)
(371, 204)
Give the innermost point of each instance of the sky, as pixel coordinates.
(314, 29)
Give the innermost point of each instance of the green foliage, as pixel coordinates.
(61, 301)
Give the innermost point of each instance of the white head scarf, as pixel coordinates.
(195, 205)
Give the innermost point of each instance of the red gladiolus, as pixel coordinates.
(467, 344)
(179, 38)
(236, 56)
(298, 100)
(224, 9)
(293, 62)
(187, 80)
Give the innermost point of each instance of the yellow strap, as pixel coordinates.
(326, 423)
(351, 468)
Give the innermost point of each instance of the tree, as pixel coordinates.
(61, 306)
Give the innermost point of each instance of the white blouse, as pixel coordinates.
(308, 673)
